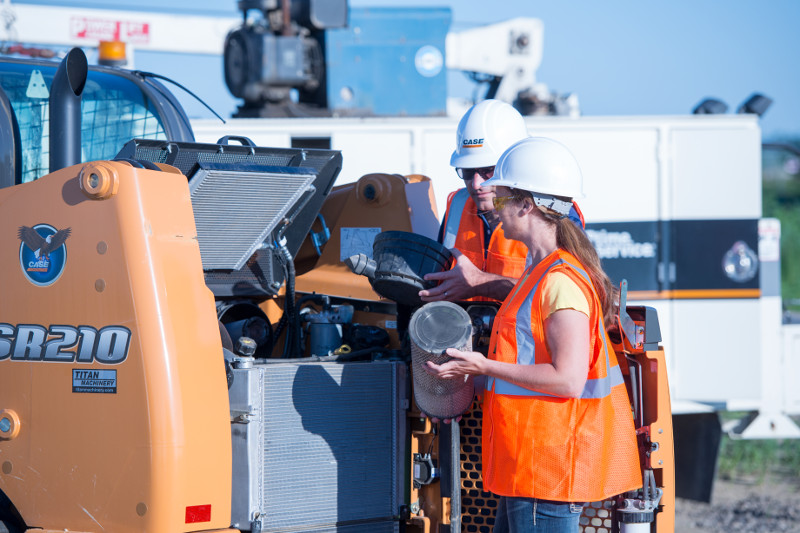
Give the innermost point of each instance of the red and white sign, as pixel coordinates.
(95, 29)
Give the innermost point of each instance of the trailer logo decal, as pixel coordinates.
(43, 253)
(472, 143)
(94, 381)
(64, 344)
(620, 244)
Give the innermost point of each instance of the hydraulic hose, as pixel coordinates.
(291, 346)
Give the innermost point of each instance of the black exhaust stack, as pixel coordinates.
(65, 110)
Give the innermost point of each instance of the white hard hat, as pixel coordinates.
(539, 165)
(484, 132)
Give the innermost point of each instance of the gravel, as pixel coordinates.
(769, 506)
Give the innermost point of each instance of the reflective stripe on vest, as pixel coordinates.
(526, 349)
(466, 231)
(454, 217)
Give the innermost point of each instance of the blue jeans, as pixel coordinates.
(530, 515)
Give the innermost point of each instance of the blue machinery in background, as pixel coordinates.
(321, 58)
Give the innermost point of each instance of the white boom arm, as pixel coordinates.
(511, 50)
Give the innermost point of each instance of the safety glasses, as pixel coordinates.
(467, 174)
(499, 202)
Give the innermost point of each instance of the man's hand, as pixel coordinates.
(459, 283)
(464, 281)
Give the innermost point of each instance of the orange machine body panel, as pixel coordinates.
(379, 201)
(112, 360)
(658, 421)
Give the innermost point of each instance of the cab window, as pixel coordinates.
(114, 111)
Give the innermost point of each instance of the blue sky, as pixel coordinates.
(621, 57)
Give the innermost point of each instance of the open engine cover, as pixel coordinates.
(243, 197)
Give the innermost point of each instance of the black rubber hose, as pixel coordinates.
(292, 342)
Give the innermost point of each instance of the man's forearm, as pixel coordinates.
(495, 286)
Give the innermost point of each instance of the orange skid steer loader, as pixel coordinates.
(143, 386)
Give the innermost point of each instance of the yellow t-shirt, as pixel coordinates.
(561, 292)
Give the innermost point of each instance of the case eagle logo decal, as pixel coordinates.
(42, 253)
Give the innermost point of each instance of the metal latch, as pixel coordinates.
(239, 416)
(425, 470)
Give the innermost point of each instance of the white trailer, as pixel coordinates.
(673, 205)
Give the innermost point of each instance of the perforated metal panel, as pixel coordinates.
(596, 517)
(323, 448)
(478, 507)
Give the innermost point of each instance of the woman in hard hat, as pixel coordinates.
(557, 424)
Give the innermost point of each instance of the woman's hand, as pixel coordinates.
(461, 364)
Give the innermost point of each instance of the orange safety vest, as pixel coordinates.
(537, 445)
(463, 230)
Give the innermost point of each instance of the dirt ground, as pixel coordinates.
(771, 505)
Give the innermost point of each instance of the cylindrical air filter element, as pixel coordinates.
(433, 328)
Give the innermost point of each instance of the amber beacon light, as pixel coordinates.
(111, 53)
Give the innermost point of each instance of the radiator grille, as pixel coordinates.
(329, 453)
(235, 211)
(260, 212)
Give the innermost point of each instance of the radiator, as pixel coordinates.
(318, 446)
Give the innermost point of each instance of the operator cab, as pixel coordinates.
(117, 105)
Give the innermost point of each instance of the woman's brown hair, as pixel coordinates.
(574, 240)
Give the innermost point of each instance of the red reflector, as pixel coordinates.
(198, 513)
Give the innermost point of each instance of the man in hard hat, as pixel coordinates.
(487, 263)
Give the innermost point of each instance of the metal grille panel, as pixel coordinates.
(261, 273)
(235, 211)
(596, 517)
(329, 446)
(478, 507)
(109, 117)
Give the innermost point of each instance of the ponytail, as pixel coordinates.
(575, 241)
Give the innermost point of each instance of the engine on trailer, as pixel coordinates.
(267, 57)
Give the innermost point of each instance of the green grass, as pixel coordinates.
(759, 460)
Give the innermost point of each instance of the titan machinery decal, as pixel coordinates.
(64, 344)
(94, 381)
(42, 253)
